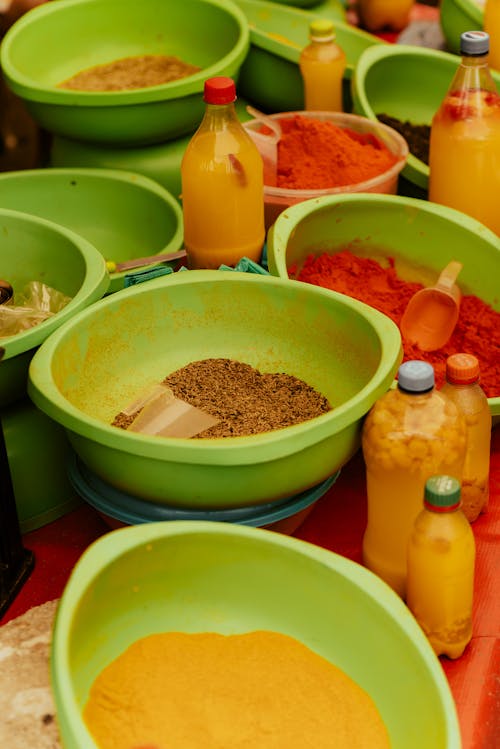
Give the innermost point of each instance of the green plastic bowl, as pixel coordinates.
(56, 40)
(270, 75)
(457, 16)
(98, 363)
(160, 162)
(124, 215)
(218, 577)
(34, 249)
(422, 238)
(406, 82)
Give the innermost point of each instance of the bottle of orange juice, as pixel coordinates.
(377, 15)
(464, 157)
(322, 64)
(441, 557)
(222, 185)
(410, 434)
(462, 386)
(492, 27)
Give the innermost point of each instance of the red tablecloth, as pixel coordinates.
(336, 523)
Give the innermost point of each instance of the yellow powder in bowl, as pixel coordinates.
(260, 690)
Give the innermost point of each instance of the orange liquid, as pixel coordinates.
(222, 198)
(464, 158)
(322, 66)
(440, 583)
(492, 26)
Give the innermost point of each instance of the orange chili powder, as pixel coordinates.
(258, 690)
(477, 331)
(315, 154)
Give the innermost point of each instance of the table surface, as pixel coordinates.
(337, 523)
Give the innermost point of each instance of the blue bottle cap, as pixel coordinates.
(474, 43)
(416, 376)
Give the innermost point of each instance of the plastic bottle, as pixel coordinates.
(377, 15)
(322, 64)
(462, 386)
(492, 27)
(222, 185)
(410, 434)
(464, 151)
(441, 556)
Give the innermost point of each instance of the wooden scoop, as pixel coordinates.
(432, 313)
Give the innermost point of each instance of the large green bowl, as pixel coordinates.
(58, 39)
(124, 215)
(422, 238)
(406, 82)
(457, 16)
(34, 249)
(217, 577)
(103, 359)
(270, 75)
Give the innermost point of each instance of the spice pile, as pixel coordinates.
(417, 136)
(315, 155)
(128, 73)
(207, 691)
(244, 400)
(477, 331)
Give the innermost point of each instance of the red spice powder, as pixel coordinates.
(477, 331)
(315, 154)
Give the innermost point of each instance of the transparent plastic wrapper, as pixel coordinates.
(160, 413)
(33, 305)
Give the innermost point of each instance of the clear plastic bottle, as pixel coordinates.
(410, 434)
(441, 557)
(464, 151)
(492, 27)
(377, 15)
(222, 185)
(322, 64)
(462, 386)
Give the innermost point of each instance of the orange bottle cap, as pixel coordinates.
(462, 369)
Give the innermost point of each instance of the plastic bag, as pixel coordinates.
(160, 413)
(33, 305)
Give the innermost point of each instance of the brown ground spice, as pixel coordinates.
(244, 400)
(130, 72)
(417, 136)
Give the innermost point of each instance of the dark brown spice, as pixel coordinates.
(127, 73)
(244, 400)
(417, 136)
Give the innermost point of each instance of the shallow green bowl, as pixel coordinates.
(270, 76)
(422, 238)
(406, 82)
(56, 40)
(124, 215)
(103, 359)
(217, 577)
(34, 249)
(457, 16)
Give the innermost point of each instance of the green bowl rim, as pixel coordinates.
(95, 284)
(286, 222)
(113, 175)
(469, 8)
(229, 451)
(108, 550)
(27, 88)
(291, 51)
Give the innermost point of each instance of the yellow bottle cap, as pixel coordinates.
(321, 29)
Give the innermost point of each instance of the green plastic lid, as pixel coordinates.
(321, 29)
(442, 493)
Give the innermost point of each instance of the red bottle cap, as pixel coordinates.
(219, 90)
(462, 369)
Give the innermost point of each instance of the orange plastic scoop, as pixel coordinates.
(431, 314)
